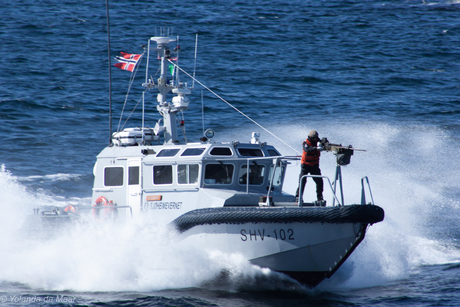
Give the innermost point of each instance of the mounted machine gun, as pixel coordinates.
(343, 153)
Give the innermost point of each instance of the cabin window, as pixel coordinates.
(162, 174)
(218, 173)
(250, 152)
(192, 152)
(168, 152)
(273, 153)
(256, 174)
(133, 175)
(113, 176)
(187, 173)
(278, 178)
(221, 151)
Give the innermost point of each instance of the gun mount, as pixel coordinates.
(343, 153)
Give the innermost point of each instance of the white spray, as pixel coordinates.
(411, 171)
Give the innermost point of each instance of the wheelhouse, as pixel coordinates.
(203, 165)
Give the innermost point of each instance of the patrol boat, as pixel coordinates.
(226, 196)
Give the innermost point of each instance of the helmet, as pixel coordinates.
(313, 134)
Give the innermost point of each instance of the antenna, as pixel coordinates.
(194, 66)
(202, 110)
(176, 71)
(110, 73)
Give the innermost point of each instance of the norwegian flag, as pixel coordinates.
(127, 61)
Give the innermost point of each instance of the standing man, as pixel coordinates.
(310, 163)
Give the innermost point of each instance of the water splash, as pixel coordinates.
(96, 256)
(411, 170)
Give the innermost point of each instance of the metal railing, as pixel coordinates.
(304, 177)
(363, 192)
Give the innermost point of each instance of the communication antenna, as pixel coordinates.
(202, 110)
(176, 71)
(194, 66)
(110, 73)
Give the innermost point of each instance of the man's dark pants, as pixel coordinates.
(312, 170)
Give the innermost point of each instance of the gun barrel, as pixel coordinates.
(327, 146)
(338, 147)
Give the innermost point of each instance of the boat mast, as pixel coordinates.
(179, 103)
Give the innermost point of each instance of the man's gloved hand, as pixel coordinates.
(320, 148)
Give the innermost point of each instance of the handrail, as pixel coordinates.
(175, 189)
(247, 175)
(363, 192)
(80, 207)
(250, 159)
(267, 202)
(102, 190)
(315, 176)
(276, 164)
(105, 207)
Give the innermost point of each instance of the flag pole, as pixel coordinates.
(110, 73)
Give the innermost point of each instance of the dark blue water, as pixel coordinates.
(381, 75)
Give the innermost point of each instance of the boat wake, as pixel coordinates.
(94, 256)
(412, 179)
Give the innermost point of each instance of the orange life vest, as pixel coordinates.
(310, 158)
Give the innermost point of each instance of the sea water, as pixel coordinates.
(379, 75)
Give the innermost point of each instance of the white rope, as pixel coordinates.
(132, 111)
(194, 79)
